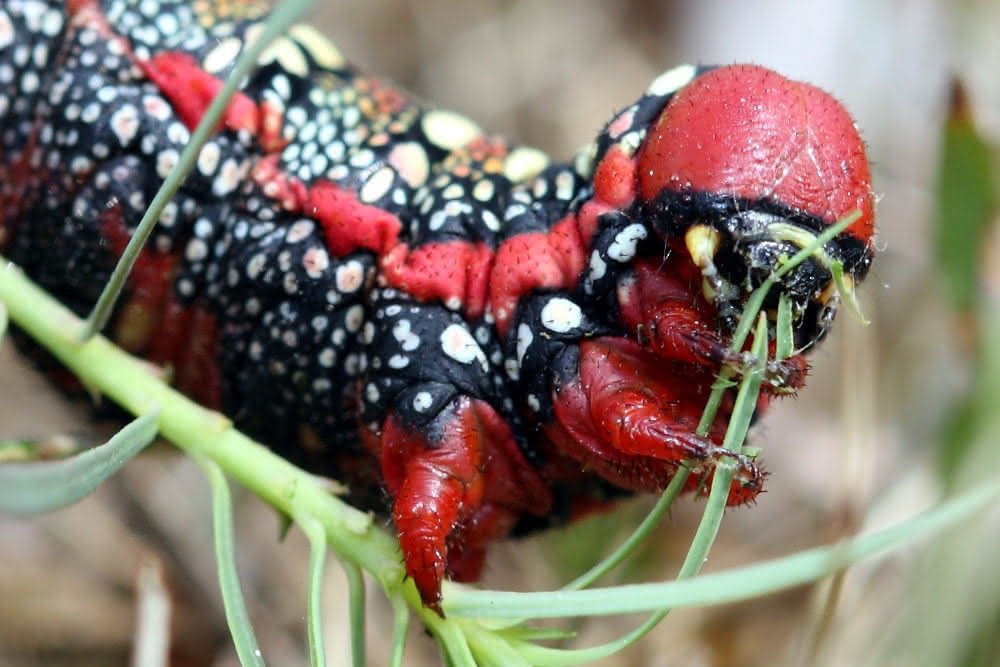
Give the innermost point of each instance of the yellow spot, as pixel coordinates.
(448, 129)
(288, 55)
(524, 163)
(322, 50)
(702, 243)
(672, 80)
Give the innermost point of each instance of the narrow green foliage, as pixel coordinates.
(237, 615)
(784, 340)
(356, 609)
(966, 203)
(730, 585)
(42, 486)
(317, 559)
(400, 624)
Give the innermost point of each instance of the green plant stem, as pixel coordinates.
(285, 14)
(739, 423)
(356, 609)
(225, 555)
(317, 557)
(202, 432)
(400, 625)
(731, 585)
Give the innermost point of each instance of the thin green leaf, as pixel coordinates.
(784, 340)
(966, 200)
(730, 585)
(454, 644)
(847, 292)
(225, 558)
(285, 14)
(544, 656)
(400, 624)
(493, 650)
(536, 634)
(317, 556)
(36, 487)
(739, 423)
(356, 608)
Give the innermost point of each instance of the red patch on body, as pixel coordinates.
(526, 262)
(191, 90)
(350, 224)
(454, 272)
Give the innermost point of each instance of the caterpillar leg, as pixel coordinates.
(456, 485)
(659, 306)
(442, 425)
(628, 417)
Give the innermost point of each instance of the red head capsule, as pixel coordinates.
(746, 131)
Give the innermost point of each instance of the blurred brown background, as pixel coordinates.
(852, 451)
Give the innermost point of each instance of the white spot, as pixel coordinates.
(228, 178)
(438, 218)
(29, 82)
(165, 161)
(491, 221)
(196, 250)
(672, 80)
(6, 30)
(315, 261)
(410, 160)
(299, 230)
(156, 107)
(524, 338)
(513, 370)
(408, 340)
(448, 130)
(598, 267)
(349, 276)
(458, 343)
(208, 158)
(398, 361)
(561, 315)
(125, 124)
(354, 318)
(377, 186)
(256, 265)
(564, 185)
(371, 393)
(90, 113)
(222, 56)
(533, 403)
(622, 249)
(483, 190)
(422, 401)
(453, 191)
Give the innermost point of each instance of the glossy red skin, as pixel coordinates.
(766, 136)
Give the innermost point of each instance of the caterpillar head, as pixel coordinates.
(740, 168)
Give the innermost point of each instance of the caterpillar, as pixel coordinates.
(479, 341)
